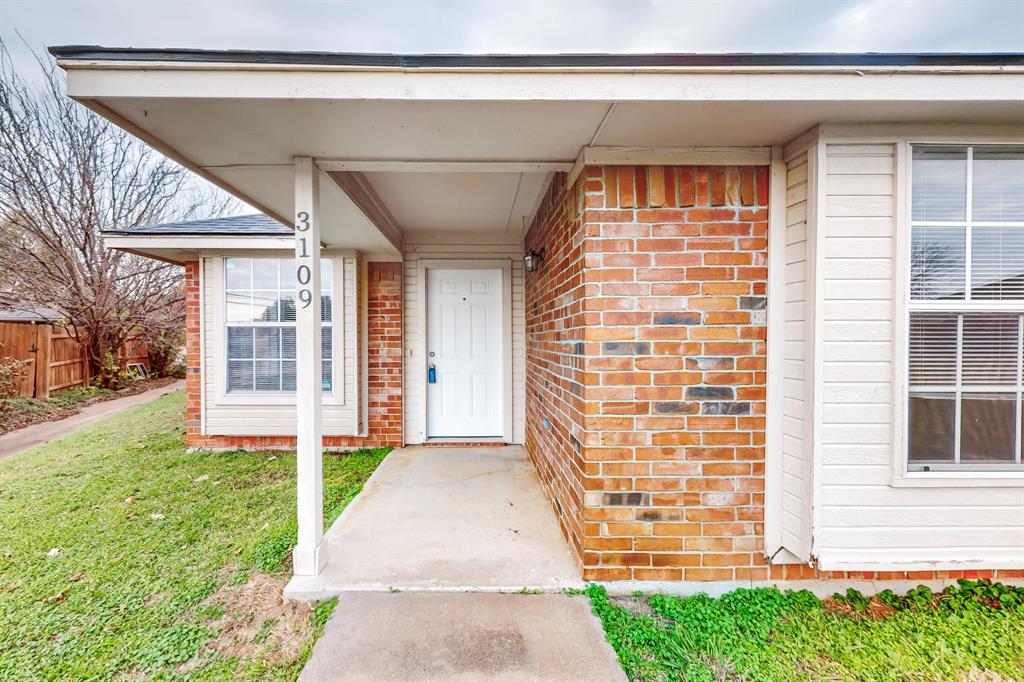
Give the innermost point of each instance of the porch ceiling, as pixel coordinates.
(242, 128)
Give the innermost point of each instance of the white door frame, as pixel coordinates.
(503, 264)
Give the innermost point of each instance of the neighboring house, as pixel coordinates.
(753, 316)
(30, 314)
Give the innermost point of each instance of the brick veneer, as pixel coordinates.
(384, 353)
(383, 341)
(646, 374)
(554, 344)
(653, 355)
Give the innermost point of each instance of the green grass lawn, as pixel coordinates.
(972, 631)
(123, 555)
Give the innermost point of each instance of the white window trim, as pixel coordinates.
(337, 394)
(901, 475)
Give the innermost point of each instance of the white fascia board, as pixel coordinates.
(101, 80)
(669, 156)
(196, 243)
(677, 156)
(978, 133)
(382, 166)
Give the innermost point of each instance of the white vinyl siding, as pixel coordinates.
(862, 520)
(258, 415)
(459, 246)
(796, 449)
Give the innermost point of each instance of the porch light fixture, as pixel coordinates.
(531, 261)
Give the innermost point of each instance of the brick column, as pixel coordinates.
(646, 369)
(193, 375)
(384, 339)
(675, 369)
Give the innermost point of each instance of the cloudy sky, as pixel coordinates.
(525, 25)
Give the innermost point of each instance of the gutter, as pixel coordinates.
(91, 56)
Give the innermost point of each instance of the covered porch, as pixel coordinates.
(445, 519)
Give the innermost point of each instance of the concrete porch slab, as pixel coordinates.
(445, 519)
(462, 637)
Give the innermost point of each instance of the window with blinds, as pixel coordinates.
(966, 309)
(259, 314)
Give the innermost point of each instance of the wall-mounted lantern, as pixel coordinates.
(531, 261)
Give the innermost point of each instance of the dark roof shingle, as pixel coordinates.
(256, 224)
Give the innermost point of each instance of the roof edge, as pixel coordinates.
(192, 233)
(534, 61)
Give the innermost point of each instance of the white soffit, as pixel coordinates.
(219, 132)
(665, 124)
(214, 132)
(462, 202)
(247, 135)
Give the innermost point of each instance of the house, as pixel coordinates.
(753, 317)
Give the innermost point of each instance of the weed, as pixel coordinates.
(969, 630)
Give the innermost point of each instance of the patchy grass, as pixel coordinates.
(122, 555)
(971, 631)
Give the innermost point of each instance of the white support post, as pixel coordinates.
(310, 553)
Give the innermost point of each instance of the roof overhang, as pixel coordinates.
(469, 142)
(179, 249)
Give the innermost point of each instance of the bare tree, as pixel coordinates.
(65, 176)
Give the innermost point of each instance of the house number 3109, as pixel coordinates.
(302, 272)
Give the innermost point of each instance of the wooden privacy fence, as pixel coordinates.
(55, 358)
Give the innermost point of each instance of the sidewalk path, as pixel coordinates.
(37, 434)
(462, 637)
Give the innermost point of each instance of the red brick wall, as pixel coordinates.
(193, 375)
(554, 336)
(384, 341)
(383, 378)
(674, 364)
(649, 362)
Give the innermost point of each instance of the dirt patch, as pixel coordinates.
(640, 607)
(637, 606)
(260, 479)
(975, 675)
(257, 623)
(876, 609)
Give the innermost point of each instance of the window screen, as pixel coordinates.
(259, 304)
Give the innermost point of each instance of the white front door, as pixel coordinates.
(465, 347)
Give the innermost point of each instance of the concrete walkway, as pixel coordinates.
(462, 637)
(456, 532)
(37, 434)
(446, 519)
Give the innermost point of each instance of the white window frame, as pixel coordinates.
(283, 398)
(902, 475)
